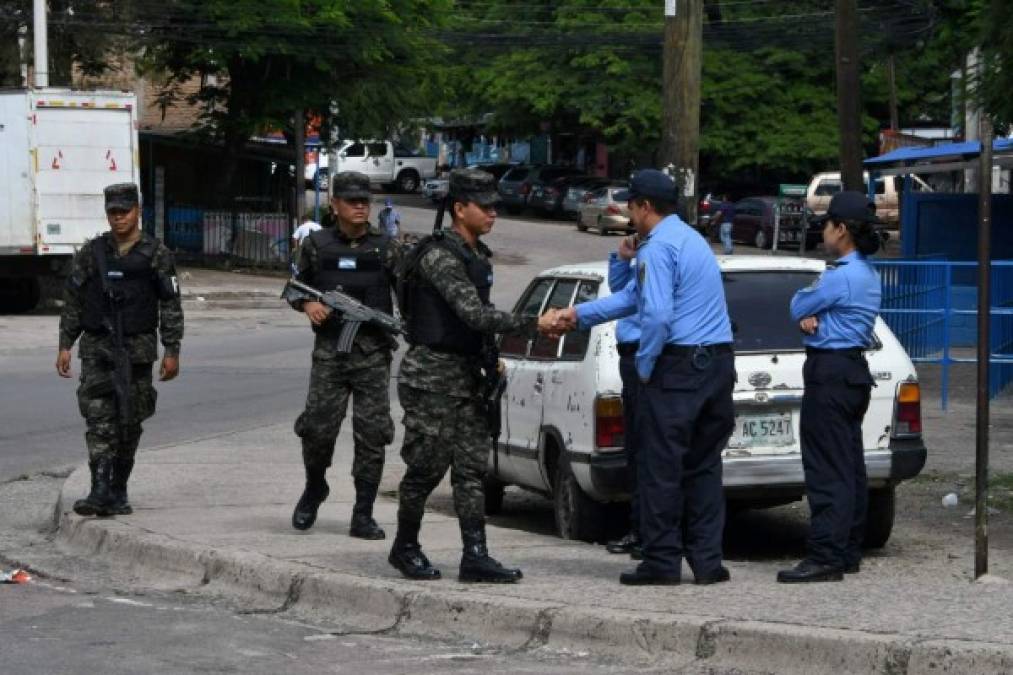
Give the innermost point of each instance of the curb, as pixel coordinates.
(418, 610)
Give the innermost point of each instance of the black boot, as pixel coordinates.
(119, 505)
(809, 571)
(98, 501)
(406, 555)
(363, 526)
(313, 496)
(476, 564)
(629, 543)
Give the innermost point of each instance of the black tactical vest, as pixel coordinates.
(131, 280)
(358, 272)
(431, 320)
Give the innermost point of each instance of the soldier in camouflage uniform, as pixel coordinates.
(140, 271)
(354, 256)
(450, 322)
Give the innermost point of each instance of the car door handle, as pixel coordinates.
(539, 383)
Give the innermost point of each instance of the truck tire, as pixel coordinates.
(408, 181)
(19, 295)
(879, 521)
(577, 515)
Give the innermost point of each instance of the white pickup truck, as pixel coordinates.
(384, 162)
(58, 150)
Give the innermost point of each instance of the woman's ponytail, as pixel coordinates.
(867, 239)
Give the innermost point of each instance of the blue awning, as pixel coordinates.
(948, 152)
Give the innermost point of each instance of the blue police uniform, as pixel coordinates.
(845, 301)
(685, 415)
(621, 273)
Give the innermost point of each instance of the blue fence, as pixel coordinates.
(931, 306)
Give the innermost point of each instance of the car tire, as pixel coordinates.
(408, 181)
(760, 239)
(601, 228)
(880, 516)
(581, 227)
(495, 490)
(577, 515)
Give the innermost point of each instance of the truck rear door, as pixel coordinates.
(80, 150)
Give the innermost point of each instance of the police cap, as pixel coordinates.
(473, 185)
(122, 197)
(650, 184)
(350, 185)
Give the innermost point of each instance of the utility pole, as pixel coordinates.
(984, 348)
(41, 44)
(972, 112)
(849, 110)
(299, 122)
(680, 139)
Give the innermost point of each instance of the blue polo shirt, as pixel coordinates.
(845, 301)
(621, 272)
(677, 294)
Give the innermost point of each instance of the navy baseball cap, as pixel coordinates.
(650, 184)
(849, 205)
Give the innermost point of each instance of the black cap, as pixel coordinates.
(122, 197)
(849, 205)
(350, 185)
(473, 185)
(650, 184)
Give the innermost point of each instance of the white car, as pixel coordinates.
(435, 189)
(562, 430)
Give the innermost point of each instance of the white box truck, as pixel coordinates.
(58, 150)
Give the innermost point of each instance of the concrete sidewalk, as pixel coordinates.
(214, 515)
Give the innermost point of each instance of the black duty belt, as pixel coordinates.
(628, 348)
(851, 352)
(690, 350)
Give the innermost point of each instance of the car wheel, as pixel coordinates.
(408, 181)
(495, 490)
(760, 240)
(880, 516)
(581, 227)
(601, 227)
(577, 515)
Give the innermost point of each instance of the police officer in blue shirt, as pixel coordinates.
(685, 364)
(837, 315)
(622, 266)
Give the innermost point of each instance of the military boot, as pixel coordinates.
(406, 555)
(98, 501)
(119, 505)
(476, 563)
(363, 526)
(313, 496)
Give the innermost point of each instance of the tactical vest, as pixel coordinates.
(431, 320)
(131, 280)
(358, 272)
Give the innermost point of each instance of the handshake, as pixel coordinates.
(555, 322)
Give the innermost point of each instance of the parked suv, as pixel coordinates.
(563, 432)
(516, 185)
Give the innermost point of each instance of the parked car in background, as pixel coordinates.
(601, 211)
(385, 163)
(823, 186)
(547, 193)
(705, 210)
(753, 223)
(516, 185)
(563, 433)
(436, 188)
(577, 190)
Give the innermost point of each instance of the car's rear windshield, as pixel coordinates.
(517, 173)
(758, 307)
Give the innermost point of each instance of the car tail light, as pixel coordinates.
(705, 206)
(907, 413)
(525, 188)
(613, 210)
(608, 422)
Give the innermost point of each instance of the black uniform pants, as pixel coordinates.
(685, 416)
(837, 390)
(631, 382)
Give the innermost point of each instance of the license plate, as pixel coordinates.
(773, 429)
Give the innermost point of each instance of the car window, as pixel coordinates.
(517, 173)
(758, 307)
(377, 149)
(355, 150)
(554, 173)
(529, 305)
(561, 296)
(575, 343)
(828, 188)
(403, 151)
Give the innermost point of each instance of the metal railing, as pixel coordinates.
(247, 237)
(930, 305)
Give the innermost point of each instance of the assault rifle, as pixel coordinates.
(493, 385)
(353, 313)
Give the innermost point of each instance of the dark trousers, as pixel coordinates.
(631, 382)
(685, 416)
(837, 390)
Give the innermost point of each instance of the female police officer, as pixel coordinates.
(836, 315)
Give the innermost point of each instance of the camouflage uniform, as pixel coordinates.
(95, 394)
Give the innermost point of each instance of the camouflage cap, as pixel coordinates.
(473, 185)
(122, 197)
(350, 185)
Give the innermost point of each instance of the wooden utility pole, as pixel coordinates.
(984, 347)
(680, 116)
(849, 110)
(299, 121)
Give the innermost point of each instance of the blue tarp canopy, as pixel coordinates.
(946, 157)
